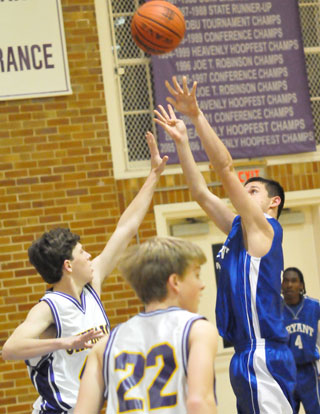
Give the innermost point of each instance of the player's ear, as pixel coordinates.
(173, 282)
(67, 266)
(275, 201)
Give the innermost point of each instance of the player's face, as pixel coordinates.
(291, 287)
(259, 193)
(81, 264)
(191, 287)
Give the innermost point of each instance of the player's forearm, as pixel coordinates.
(137, 209)
(217, 152)
(31, 348)
(195, 181)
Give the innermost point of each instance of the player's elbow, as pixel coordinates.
(8, 352)
(198, 404)
(199, 193)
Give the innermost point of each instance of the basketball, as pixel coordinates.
(158, 27)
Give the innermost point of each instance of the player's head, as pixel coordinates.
(274, 189)
(148, 266)
(48, 253)
(293, 286)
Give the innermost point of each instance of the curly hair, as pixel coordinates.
(48, 253)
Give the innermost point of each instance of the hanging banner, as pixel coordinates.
(33, 58)
(247, 58)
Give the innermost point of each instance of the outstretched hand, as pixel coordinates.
(182, 99)
(174, 127)
(157, 163)
(86, 340)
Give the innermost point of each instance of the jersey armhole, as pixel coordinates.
(54, 314)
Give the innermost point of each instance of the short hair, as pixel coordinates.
(273, 188)
(147, 266)
(48, 253)
(300, 275)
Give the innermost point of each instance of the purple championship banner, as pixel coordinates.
(247, 58)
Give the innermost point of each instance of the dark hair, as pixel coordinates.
(300, 275)
(48, 253)
(273, 188)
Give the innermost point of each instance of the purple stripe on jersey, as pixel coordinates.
(185, 342)
(44, 382)
(83, 301)
(56, 390)
(55, 315)
(98, 300)
(71, 298)
(106, 359)
(159, 311)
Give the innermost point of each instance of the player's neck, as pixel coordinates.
(293, 301)
(158, 305)
(67, 285)
(272, 213)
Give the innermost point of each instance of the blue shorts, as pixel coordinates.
(308, 389)
(263, 377)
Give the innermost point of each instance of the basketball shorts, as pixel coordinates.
(307, 390)
(263, 377)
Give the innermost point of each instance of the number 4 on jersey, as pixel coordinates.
(298, 342)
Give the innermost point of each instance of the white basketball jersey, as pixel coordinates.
(145, 363)
(56, 376)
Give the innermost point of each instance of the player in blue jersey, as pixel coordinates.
(248, 308)
(302, 319)
(58, 332)
(161, 360)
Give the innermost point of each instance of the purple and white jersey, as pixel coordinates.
(56, 376)
(249, 303)
(145, 363)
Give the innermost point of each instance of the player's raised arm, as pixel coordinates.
(259, 232)
(130, 220)
(211, 204)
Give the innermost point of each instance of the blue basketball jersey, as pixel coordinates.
(302, 325)
(249, 315)
(249, 304)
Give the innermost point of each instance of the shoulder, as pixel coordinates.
(312, 302)
(274, 223)
(40, 313)
(202, 329)
(41, 306)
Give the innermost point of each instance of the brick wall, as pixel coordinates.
(56, 170)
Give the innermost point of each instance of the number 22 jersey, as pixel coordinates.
(145, 363)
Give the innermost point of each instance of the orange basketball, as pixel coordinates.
(158, 27)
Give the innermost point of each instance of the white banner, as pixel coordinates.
(33, 58)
